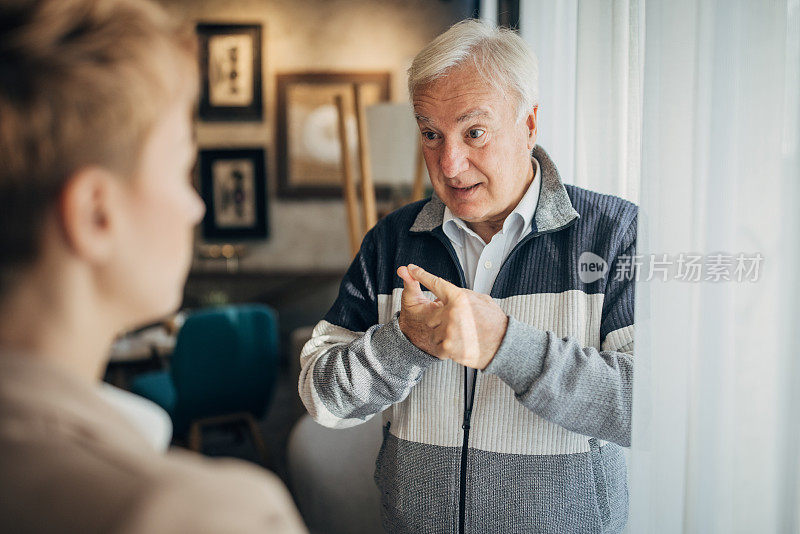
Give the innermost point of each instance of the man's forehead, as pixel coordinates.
(463, 116)
(460, 96)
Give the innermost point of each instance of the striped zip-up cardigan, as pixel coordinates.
(539, 449)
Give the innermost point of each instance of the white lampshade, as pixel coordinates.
(393, 144)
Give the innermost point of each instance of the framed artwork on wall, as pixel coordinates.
(230, 72)
(309, 157)
(233, 185)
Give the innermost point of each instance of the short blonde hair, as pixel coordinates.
(499, 55)
(82, 83)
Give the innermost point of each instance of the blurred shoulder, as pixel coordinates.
(78, 485)
(191, 493)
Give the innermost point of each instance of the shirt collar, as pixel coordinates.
(455, 228)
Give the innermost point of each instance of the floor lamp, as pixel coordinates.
(358, 226)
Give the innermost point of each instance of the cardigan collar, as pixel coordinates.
(553, 211)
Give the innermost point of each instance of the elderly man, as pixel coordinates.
(506, 398)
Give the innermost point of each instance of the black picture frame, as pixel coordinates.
(234, 188)
(231, 87)
(288, 186)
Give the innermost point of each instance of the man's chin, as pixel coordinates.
(467, 213)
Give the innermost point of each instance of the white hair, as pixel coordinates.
(499, 55)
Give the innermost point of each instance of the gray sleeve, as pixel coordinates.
(347, 377)
(579, 388)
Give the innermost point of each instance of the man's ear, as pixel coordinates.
(532, 125)
(85, 209)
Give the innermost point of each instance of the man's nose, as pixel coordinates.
(453, 159)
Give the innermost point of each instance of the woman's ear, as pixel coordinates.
(86, 210)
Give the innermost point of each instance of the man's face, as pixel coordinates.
(476, 151)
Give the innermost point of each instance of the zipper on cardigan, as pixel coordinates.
(469, 401)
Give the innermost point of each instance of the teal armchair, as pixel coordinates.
(223, 370)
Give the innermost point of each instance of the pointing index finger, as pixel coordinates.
(440, 287)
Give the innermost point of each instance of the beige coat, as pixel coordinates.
(69, 462)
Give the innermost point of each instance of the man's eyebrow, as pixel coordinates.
(469, 115)
(472, 114)
(422, 118)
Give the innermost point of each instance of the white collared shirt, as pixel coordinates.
(481, 261)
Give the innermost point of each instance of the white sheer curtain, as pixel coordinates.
(716, 411)
(716, 446)
(589, 89)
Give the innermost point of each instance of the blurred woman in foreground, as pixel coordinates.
(96, 218)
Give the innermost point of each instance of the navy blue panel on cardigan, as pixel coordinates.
(543, 262)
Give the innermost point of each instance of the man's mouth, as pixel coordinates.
(465, 189)
(464, 194)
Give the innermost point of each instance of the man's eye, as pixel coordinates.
(475, 133)
(430, 136)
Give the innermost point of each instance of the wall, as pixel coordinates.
(316, 35)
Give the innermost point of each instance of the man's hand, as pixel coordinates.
(415, 312)
(460, 325)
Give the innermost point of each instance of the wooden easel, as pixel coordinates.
(359, 226)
